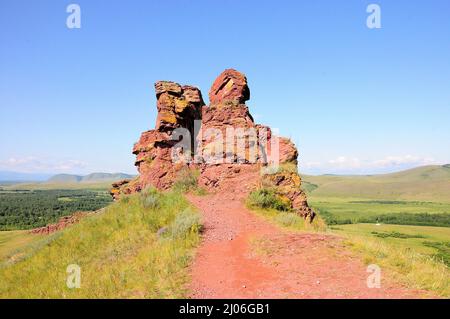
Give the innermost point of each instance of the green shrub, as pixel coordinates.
(150, 198)
(395, 234)
(288, 168)
(187, 180)
(200, 191)
(419, 219)
(443, 251)
(185, 223)
(150, 201)
(282, 168)
(331, 219)
(267, 198)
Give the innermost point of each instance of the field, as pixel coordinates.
(398, 220)
(431, 241)
(356, 210)
(419, 196)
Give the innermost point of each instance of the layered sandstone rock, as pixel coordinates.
(228, 117)
(228, 146)
(229, 87)
(287, 185)
(178, 107)
(125, 187)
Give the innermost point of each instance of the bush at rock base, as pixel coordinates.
(184, 224)
(267, 198)
(187, 181)
(150, 198)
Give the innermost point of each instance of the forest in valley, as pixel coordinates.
(26, 209)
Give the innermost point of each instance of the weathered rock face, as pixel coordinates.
(125, 187)
(229, 121)
(229, 146)
(178, 107)
(228, 116)
(287, 185)
(287, 151)
(229, 87)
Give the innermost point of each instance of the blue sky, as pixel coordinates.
(354, 99)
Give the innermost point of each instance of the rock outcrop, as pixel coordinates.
(229, 117)
(287, 185)
(229, 87)
(62, 223)
(178, 107)
(222, 142)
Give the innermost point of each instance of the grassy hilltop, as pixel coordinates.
(427, 183)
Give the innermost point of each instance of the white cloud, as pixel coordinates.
(33, 164)
(312, 164)
(403, 160)
(345, 162)
(353, 165)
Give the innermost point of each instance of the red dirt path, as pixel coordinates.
(244, 256)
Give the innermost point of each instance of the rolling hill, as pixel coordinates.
(64, 178)
(426, 183)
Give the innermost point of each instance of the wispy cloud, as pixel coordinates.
(354, 165)
(404, 160)
(33, 164)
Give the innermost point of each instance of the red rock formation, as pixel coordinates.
(244, 148)
(228, 114)
(125, 187)
(288, 151)
(287, 185)
(229, 87)
(178, 107)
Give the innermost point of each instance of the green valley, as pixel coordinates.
(399, 220)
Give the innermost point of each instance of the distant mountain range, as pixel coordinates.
(6, 176)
